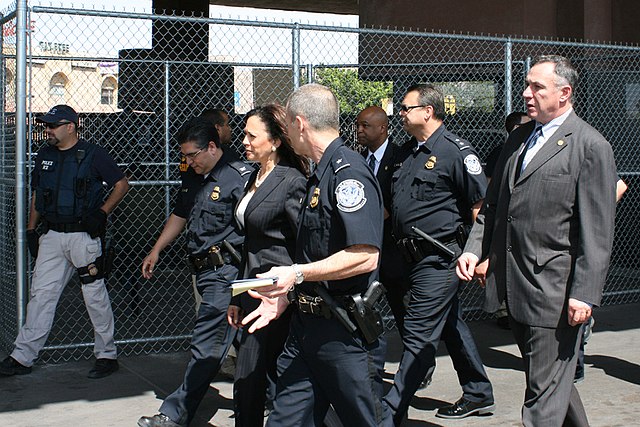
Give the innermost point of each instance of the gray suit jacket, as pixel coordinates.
(548, 234)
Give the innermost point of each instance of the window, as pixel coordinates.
(57, 86)
(108, 91)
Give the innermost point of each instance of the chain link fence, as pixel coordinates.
(136, 77)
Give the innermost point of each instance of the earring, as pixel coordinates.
(273, 148)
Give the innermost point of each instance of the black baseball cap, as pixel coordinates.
(59, 113)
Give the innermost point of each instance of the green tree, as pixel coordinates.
(354, 94)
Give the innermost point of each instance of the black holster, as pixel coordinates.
(367, 317)
(92, 272)
(462, 234)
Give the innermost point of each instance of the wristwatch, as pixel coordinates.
(299, 274)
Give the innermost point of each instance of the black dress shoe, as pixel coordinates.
(103, 368)
(11, 366)
(464, 408)
(158, 420)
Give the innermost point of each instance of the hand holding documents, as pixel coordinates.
(240, 286)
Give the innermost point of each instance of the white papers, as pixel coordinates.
(240, 286)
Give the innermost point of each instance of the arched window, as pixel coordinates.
(57, 85)
(8, 76)
(108, 91)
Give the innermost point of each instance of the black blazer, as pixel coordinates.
(270, 224)
(391, 261)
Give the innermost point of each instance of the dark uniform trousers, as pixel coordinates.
(256, 366)
(321, 364)
(209, 345)
(434, 313)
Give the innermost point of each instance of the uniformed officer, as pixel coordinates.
(68, 196)
(337, 251)
(205, 206)
(438, 185)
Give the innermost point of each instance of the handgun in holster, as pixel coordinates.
(366, 316)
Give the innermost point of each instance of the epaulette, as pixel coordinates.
(459, 142)
(340, 163)
(241, 167)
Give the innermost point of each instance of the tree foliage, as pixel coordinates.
(353, 94)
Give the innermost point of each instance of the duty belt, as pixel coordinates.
(316, 305)
(414, 250)
(213, 259)
(313, 305)
(73, 227)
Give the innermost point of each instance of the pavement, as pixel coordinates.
(61, 396)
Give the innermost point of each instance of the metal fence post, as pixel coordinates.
(21, 154)
(167, 154)
(295, 53)
(508, 78)
(309, 73)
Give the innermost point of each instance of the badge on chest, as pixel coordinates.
(215, 193)
(315, 198)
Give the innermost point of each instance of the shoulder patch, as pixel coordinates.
(350, 195)
(472, 164)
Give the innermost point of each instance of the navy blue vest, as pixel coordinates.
(67, 191)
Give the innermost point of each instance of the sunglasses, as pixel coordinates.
(406, 108)
(55, 125)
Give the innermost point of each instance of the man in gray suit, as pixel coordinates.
(546, 227)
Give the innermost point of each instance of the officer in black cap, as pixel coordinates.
(68, 198)
(337, 253)
(205, 206)
(438, 186)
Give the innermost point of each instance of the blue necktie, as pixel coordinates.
(372, 162)
(537, 133)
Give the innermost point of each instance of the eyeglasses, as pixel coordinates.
(193, 155)
(55, 125)
(407, 108)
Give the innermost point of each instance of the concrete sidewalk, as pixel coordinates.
(62, 396)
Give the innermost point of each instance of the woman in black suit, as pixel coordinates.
(268, 213)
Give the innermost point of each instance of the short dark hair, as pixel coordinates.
(199, 131)
(564, 70)
(428, 94)
(513, 120)
(215, 116)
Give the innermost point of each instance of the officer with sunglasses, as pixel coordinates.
(204, 206)
(69, 200)
(437, 187)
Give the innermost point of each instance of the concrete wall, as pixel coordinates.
(599, 20)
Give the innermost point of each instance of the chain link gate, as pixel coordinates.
(136, 77)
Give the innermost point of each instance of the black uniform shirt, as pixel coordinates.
(103, 165)
(212, 201)
(435, 185)
(342, 208)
